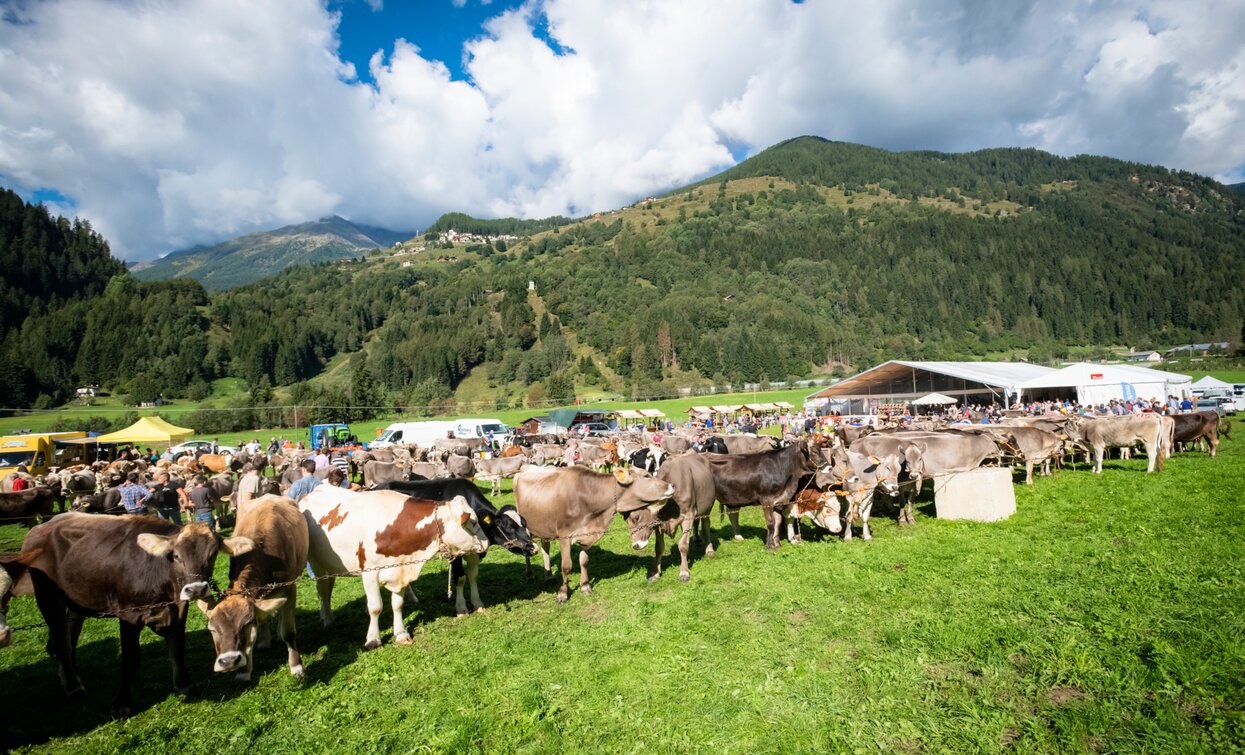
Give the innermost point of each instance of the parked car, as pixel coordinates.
(1216, 405)
(594, 429)
(190, 447)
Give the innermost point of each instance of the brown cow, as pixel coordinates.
(692, 479)
(214, 463)
(27, 506)
(138, 568)
(1197, 425)
(376, 472)
(279, 532)
(575, 505)
(769, 478)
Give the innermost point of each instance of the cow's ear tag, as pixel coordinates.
(488, 520)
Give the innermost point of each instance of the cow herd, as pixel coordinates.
(386, 531)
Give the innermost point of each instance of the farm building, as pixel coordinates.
(899, 381)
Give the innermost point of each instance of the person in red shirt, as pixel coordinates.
(20, 482)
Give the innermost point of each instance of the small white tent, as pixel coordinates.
(934, 399)
(1211, 385)
(1099, 383)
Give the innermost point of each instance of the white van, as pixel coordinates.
(479, 428)
(413, 433)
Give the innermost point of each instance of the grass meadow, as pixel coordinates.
(1106, 615)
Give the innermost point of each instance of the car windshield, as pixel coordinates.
(13, 458)
(495, 429)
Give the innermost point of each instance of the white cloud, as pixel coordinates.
(185, 122)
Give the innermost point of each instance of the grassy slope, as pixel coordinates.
(1102, 616)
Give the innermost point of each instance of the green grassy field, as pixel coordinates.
(1104, 616)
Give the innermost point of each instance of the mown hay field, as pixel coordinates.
(1106, 615)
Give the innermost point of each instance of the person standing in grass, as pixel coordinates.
(133, 495)
(248, 486)
(169, 498)
(200, 502)
(305, 484)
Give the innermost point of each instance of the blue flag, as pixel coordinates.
(1130, 393)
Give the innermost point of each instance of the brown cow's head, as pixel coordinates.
(233, 624)
(192, 553)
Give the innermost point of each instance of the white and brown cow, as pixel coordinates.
(1123, 432)
(387, 537)
(279, 532)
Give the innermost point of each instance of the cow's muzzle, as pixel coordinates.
(194, 591)
(639, 545)
(229, 661)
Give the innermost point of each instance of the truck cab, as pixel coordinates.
(38, 452)
(333, 435)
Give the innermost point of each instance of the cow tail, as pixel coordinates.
(1224, 427)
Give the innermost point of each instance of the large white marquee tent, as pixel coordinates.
(1099, 383)
(896, 381)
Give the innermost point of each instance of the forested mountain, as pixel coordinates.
(812, 255)
(249, 258)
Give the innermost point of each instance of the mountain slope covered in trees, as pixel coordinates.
(249, 258)
(811, 255)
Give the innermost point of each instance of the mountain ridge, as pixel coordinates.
(253, 256)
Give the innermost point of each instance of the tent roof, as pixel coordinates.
(700, 410)
(1085, 373)
(628, 414)
(900, 378)
(148, 430)
(934, 398)
(1210, 382)
(651, 413)
(783, 405)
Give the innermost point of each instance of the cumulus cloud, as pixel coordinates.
(176, 123)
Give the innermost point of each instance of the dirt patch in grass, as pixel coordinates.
(1123, 542)
(1008, 737)
(594, 613)
(1065, 695)
(797, 617)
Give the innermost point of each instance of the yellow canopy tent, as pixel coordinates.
(148, 430)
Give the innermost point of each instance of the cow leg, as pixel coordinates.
(48, 598)
(584, 586)
(371, 588)
(1029, 473)
(793, 524)
(175, 646)
(324, 588)
(1098, 452)
(1154, 457)
(685, 540)
(866, 506)
(470, 575)
(544, 554)
(733, 515)
(130, 656)
(456, 574)
(396, 601)
(773, 527)
(564, 546)
(849, 512)
(289, 633)
(659, 547)
(1213, 442)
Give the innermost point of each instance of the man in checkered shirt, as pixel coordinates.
(133, 495)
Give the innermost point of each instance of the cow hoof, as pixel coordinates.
(298, 673)
(586, 589)
(739, 537)
(403, 640)
(480, 610)
(186, 694)
(121, 712)
(685, 577)
(562, 597)
(371, 644)
(654, 577)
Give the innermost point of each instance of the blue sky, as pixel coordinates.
(437, 27)
(182, 122)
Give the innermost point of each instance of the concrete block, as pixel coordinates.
(982, 495)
